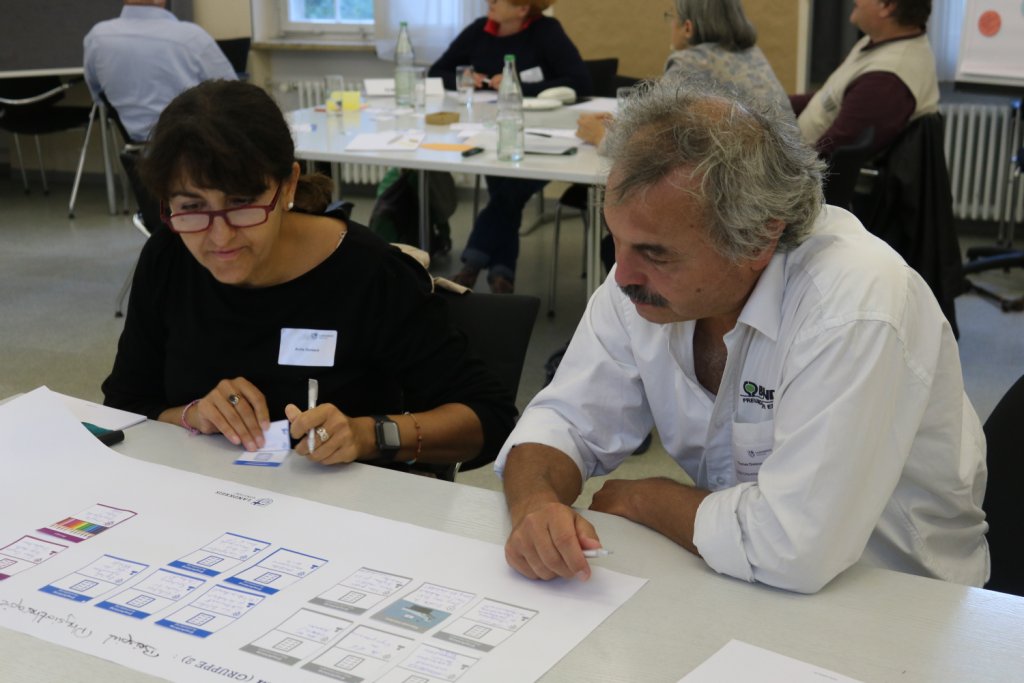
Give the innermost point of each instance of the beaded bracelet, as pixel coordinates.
(184, 423)
(419, 439)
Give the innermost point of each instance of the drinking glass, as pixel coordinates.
(465, 83)
(334, 86)
(419, 89)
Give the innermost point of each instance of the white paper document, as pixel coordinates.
(276, 447)
(100, 415)
(739, 661)
(387, 141)
(607, 105)
(191, 578)
(384, 87)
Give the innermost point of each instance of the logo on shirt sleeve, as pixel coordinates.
(755, 393)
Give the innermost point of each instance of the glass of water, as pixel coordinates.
(465, 82)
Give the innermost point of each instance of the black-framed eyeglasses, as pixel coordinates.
(248, 216)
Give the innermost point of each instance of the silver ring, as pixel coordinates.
(322, 434)
(233, 399)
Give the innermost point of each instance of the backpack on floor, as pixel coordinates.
(395, 216)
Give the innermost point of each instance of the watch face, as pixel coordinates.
(390, 432)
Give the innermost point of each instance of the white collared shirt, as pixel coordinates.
(144, 58)
(841, 431)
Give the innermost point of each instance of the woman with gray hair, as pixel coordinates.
(713, 39)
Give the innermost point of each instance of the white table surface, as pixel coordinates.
(32, 73)
(331, 133)
(869, 624)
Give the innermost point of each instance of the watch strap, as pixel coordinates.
(387, 449)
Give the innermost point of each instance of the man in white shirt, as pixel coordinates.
(798, 371)
(144, 58)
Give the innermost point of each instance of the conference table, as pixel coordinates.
(868, 624)
(323, 136)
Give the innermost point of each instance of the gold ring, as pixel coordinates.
(322, 434)
(233, 399)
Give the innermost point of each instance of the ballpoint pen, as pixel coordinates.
(313, 390)
(540, 135)
(599, 552)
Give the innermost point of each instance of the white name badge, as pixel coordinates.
(309, 348)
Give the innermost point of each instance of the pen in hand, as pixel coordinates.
(599, 552)
(313, 390)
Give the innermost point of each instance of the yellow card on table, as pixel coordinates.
(446, 146)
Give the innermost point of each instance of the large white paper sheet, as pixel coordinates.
(193, 578)
(739, 661)
(100, 415)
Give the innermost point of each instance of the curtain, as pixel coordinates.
(944, 35)
(433, 24)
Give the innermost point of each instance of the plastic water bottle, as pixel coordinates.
(511, 123)
(404, 76)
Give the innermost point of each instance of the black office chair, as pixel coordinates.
(498, 329)
(911, 208)
(146, 219)
(1003, 508)
(844, 166)
(28, 107)
(1003, 255)
(237, 52)
(602, 75)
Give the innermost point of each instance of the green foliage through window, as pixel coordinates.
(342, 11)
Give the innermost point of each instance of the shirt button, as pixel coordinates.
(720, 480)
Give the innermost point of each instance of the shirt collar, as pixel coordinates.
(492, 26)
(763, 309)
(143, 12)
(871, 46)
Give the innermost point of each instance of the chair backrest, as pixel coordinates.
(237, 52)
(602, 75)
(844, 168)
(149, 207)
(14, 114)
(1004, 431)
(116, 118)
(498, 328)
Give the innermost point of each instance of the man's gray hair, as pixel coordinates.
(751, 164)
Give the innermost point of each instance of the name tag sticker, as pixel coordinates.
(308, 348)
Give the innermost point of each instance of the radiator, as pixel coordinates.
(311, 94)
(979, 155)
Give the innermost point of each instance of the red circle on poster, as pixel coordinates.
(989, 23)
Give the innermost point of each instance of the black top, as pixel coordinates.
(543, 43)
(396, 350)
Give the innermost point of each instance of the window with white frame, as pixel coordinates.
(354, 17)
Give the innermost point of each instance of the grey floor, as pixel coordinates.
(59, 279)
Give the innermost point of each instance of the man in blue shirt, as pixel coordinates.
(144, 58)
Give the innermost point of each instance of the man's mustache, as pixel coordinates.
(641, 295)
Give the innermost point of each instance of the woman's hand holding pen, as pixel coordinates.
(338, 437)
(236, 409)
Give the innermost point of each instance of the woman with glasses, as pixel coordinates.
(243, 301)
(714, 39)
